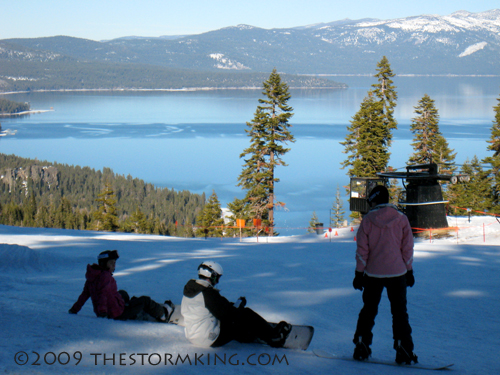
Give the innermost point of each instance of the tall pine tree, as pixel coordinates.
(269, 131)
(494, 160)
(370, 133)
(106, 217)
(210, 220)
(428, 143)
(385, 91)
(366, 142)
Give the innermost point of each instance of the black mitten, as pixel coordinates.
(410, 279)
(357, 283)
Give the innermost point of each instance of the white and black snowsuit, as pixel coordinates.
(211, 320)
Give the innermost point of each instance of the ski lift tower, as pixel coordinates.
(422, 200)
(424, 204)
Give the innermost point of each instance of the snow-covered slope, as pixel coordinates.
(453, 306)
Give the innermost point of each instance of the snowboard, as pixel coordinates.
(325, 354)
(299, 337)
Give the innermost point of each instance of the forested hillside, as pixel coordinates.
(42, 194)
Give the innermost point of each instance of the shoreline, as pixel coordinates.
(184, 89)
(30, 112)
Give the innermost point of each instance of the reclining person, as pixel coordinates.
(210, 320)
(109, 302)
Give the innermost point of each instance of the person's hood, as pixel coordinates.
(384, 215)
(93, 272)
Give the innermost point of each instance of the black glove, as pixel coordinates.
(71, 311)
(240, 303)
(410, 279)
(357, 283)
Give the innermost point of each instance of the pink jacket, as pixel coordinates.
(384, 243)
(101, 288)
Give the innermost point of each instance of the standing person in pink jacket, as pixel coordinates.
(384, 258)
(109, 302)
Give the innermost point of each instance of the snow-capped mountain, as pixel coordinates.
(460, 43)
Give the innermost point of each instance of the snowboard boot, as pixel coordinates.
(404, 356)
(168, 307)
(280, 334)
(362, 351)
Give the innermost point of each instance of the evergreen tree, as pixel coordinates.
(337, 210)
(475, 194)
(210, 220)
(269, 130)
(428, 143)
(238, 210)
(385, 92)
(367, 140)
(494, 160)
(312, 223)
(106, 218)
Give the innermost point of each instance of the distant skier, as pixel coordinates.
(108, 301)
(384, 258)
(212, 321)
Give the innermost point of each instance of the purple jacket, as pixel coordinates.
(384, 243)
(101, 287)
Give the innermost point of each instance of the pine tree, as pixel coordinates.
(210, 220)
(312, 223)
(494, 160)
(238, 210)
(268, 131)
(475, 194)
(385, 92)
(337, 210)
(367, 140)
(428, 143)
(106, 218)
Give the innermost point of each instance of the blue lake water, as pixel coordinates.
(192, 140)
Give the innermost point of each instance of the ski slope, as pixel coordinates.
(454, 306)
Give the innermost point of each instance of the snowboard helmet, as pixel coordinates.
(210, 270)
(378, 195)
(106, 255)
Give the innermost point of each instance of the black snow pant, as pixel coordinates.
(244, 326)
(136, 305)
(396, 292)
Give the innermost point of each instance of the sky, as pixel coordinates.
(109, 19)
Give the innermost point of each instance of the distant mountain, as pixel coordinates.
(460, 43)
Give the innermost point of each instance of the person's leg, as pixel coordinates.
(396, 291)
(372, 294)
(244, 326)
(138, 304)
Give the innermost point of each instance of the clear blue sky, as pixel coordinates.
(108, 19)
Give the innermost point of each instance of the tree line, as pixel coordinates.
(9, 106)
(42, 194)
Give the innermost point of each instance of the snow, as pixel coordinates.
(453, 306)
(474, 48)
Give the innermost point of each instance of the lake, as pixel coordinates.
(191, 140)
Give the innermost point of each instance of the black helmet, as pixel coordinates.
(106, 255)
(378, 195)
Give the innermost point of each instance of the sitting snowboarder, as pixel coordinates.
(211, 320)
(109, 302)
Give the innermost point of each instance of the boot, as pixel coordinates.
(280, 334)
(404, 356)
(362, 351)
(168, 307)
